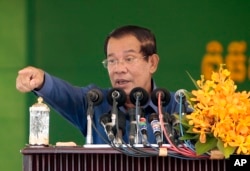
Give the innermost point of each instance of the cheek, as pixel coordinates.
(141, 70)
(111, 77)
(140, 75)
(110, 74)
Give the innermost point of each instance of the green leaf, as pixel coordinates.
(185, 125)
(188, 96)
(227, 151)
(202, 148)
(189, 137)
(190, 130)
(183, 119)
(193, 80)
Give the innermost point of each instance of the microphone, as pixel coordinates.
(94, 97)
(105, 121)
(155, 124)
(118, 95)
(175, 132)
(120, 127)
(165, 99)
(168, 124)
(143, 129)
(139, 94)
(180, 94)
(165, 96)
(139, 97)
(180, 97)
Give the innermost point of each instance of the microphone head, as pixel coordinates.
(180, 94)
(165, 96)
(105, 118)
(118, 95)
(139, 93)
(121, 123)
(95, 96)
(153, 116)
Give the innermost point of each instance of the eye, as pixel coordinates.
(111, 61)
(129, 59)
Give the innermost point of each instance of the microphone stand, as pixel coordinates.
(116, 97)
(115, 123)
(141, 131)
(90, 112)
(137, 114)
(133, 127)
(138, 96)
(114, 112)
(120, 127)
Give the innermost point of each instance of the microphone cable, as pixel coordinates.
(180, 99)
(179, 152)
(111, 143)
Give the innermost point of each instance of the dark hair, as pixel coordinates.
(144, 35)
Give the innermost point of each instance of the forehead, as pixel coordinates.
(123, 45)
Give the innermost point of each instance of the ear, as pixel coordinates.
(153, 60)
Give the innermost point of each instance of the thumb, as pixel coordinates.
(33, 83)
(36, 81)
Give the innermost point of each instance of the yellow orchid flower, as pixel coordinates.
(221, 111)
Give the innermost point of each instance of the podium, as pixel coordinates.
(79, 158)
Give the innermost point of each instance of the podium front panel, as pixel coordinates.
(108, 159)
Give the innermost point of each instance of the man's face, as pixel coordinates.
(128, 75)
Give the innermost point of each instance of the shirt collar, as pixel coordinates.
(150, 103)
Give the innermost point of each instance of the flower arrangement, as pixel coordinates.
(221, 116)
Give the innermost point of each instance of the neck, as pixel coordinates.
(128, 104)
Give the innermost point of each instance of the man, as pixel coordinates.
(131, 61)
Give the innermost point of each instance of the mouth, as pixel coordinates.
(121, 82)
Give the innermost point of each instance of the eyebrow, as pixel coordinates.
(125, 52)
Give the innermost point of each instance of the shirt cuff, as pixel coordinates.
(47, 86)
